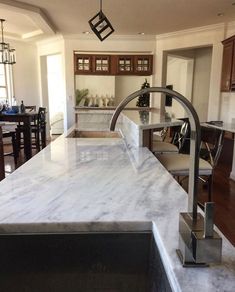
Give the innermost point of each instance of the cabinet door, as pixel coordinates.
(125, 65)
(101, 64)
(143, 64)
(233, 70)
(82, 64)
(227, 66)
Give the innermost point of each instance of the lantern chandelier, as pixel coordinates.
(7, 55)
(100, 25)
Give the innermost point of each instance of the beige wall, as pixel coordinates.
(25, 73)
(201, 82)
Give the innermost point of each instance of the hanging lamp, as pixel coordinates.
(100, 25)
(7, 55)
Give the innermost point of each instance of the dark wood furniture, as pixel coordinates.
(2, 166)
(38, 131)
(92, 64)
(228, 67)
(14, 152)
(25, 119)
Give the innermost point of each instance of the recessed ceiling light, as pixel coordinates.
(86, 32)
(220, 14)
(141, 33)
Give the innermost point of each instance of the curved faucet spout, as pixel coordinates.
(195, 138)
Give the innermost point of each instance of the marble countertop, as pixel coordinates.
(229, 127)
(77, 185)
(150, 119)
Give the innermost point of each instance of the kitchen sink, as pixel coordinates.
(85, 262)
(93, 134)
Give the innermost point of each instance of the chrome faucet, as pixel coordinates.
(199, 244)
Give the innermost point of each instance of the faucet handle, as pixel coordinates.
(209, 219)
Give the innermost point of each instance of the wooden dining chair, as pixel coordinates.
(38, 129)
(12, 136)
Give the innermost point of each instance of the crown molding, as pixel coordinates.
(93, 37)
(35, 13)
(213, 27)
(49, 40)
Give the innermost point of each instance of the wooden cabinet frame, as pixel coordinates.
(99, 64)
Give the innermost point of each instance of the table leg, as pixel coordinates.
(43, 136)
(2, 165)
(27, 140)
(148, 139)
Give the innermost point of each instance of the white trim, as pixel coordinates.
(92, 36)
(35, 13)
(212, 27)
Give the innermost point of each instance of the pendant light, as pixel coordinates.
(100, 25)
(7, 55)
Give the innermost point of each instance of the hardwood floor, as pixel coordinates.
(223, 195)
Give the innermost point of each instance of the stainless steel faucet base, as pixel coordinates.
(190, 264)
(196, 247)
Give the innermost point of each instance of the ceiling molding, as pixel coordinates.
(36, 14)
(92, 36)
(219, 26)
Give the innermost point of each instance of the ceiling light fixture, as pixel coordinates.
(100, 25)
(7, 55)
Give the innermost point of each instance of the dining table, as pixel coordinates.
(25, 119)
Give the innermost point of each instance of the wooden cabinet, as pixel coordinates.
(228, 68)
(82, 64)
(113, 64)
(101, 64)
(143, 64)
(125, 65)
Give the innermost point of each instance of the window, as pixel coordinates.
(6, 85)
(3, 85)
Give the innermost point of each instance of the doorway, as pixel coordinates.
(188, 71)
(55, 93)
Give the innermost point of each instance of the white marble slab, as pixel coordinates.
(150, 119)
(77, 185)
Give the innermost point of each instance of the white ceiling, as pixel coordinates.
(128, 17)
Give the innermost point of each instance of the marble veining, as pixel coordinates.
(91, 185)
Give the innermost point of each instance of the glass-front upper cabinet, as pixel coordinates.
(83, 64)
(143, 64)
(101, 64)
(125, 64)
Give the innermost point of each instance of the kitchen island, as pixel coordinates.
(101, 185)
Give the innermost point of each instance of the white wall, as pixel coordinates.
(201, 82)
(179, 74)
(98, 85)
(25, 73)
(125, 85)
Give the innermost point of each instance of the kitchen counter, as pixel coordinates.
(87, 185)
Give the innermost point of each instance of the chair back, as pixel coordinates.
(41, 120)
(181, 135)
(211, 144)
